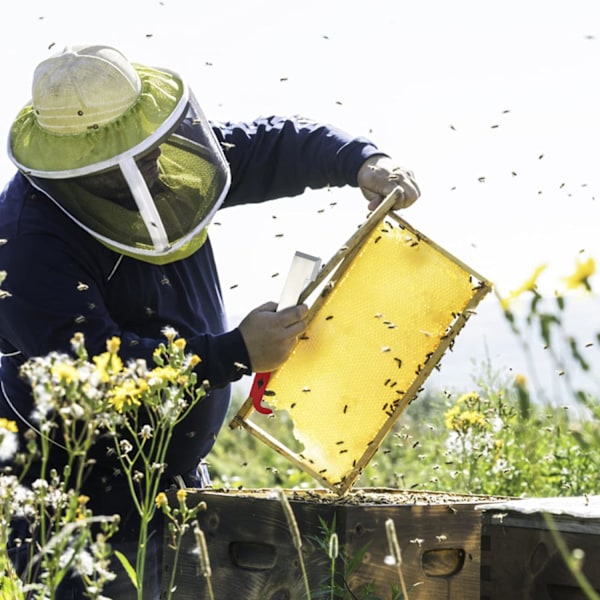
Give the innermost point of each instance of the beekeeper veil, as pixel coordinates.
(124, 150)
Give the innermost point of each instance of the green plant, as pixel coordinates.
(82, 398)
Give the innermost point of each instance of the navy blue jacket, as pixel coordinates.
(47, 256)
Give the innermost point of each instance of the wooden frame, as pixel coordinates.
(325, 285)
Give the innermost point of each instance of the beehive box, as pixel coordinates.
(253, 557)
(521, 557)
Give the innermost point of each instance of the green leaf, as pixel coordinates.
(128, 568)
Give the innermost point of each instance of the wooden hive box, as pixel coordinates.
(252, 555)
(520, 548)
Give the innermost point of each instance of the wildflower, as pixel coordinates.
(583, 271)
(78, 343)
(107, 363)
(462, 421)
(465, 414)
(161, 500)
(125, 396)
(113, 345)
(530, 285)
(82, 561)
(170, 333)
(179, 344)
(181, 496)
(9, 442)
(125, 446)
(520, 380)
(64, 372)
(146, 432)
(159, 375)
(8, 425)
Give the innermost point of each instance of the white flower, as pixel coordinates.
(39, 484)
(125, 446)
(84, 563)
(9, 444)
(170, 333)
(146, 432)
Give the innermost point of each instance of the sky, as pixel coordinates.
(493, 104)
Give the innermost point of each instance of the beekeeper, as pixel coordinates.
(104, 232)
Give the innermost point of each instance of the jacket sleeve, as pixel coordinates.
(55, 293)
(276, 157)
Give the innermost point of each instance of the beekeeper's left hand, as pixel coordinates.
(379, 175)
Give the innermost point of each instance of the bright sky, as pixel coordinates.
(494, 105)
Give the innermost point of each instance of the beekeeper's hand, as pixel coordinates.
(379, 175)
(270, 336)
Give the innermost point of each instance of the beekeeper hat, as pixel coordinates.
(95, 114)
(90, 104)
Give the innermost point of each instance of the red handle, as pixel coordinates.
(259, 385)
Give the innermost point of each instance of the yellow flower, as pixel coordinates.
(530, 285)
(113, 345)
(8, 425)
(179, 344)
(65, 372)
(468, 398)
(181, 495)
(464, 414)
(107, 363)
(583, 271)
(125, 396)
(194, 360)
(165, 374)
(520, 380)
(161, 500)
